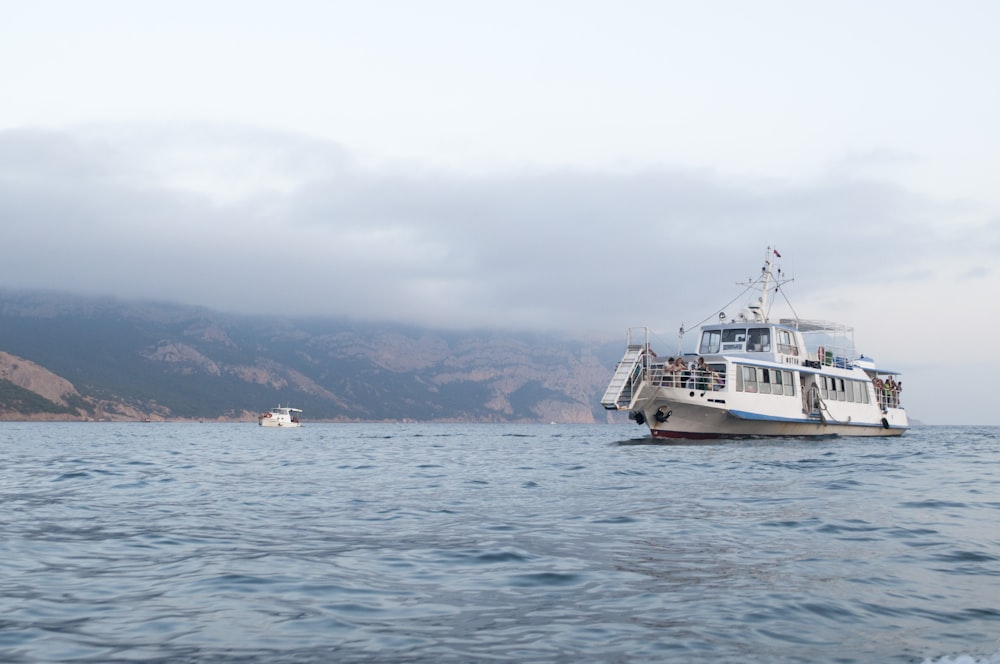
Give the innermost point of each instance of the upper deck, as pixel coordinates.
(796, 342)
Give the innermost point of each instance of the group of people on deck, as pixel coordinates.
(696, 375)
(888, 392)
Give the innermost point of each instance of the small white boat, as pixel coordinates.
(753, 376)
(280, 417)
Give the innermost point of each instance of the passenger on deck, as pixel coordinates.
(720, 380)
(668, 371)
(715, 381)
(702, 373)
(880, 392)
(680, 372)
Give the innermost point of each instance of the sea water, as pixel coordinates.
(494, 543)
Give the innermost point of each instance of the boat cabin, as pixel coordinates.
(776, 343)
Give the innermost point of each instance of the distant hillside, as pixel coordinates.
(66, 357)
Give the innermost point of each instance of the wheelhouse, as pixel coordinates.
(780, 343)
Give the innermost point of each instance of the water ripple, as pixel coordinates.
(456, 543)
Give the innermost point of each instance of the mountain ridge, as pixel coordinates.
(128, 360)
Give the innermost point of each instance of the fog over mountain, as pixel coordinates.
(98, 358)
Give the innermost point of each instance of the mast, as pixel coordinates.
(758, 310)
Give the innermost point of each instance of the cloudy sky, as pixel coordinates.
(562, 165)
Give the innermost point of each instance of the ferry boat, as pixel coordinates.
(280, 417)
(753, 376)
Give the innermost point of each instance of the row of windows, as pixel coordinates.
(775, 381)
(765, 381)
(840, 389)
(754, 339)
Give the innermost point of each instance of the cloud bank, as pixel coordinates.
(249, 220)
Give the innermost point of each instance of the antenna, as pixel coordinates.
(760, 310)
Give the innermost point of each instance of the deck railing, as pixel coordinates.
(691, 379)
(888, 396)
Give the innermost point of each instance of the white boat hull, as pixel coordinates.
(692, 415)
(280, 417)
(271, 422)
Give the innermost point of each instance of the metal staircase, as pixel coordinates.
(627, 377)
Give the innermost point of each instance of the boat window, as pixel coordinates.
(759, 340)
(731, 334)
(822, 387)
(765, 381)
(732, 339)
(786, 344)
(710, 342)
(778, 380)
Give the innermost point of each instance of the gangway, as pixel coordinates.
(618, 396)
